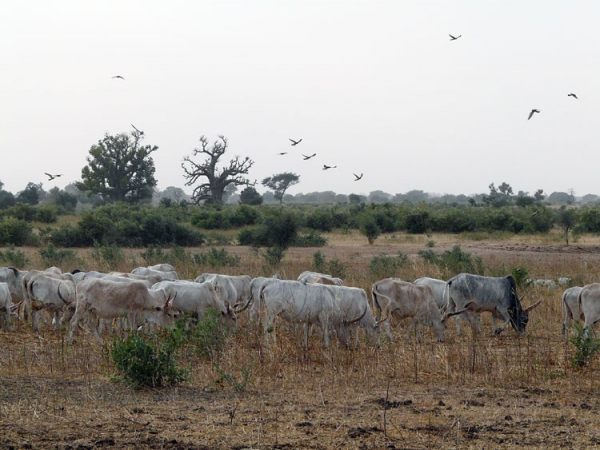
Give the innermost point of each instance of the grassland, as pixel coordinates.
(473, 391)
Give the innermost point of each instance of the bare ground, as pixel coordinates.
(470, 392)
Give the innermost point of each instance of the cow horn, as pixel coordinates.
(530, 307)
(350, 322)
(382, 320)
(455, 313)
(245, 307)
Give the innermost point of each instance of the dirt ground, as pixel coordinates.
(472, 391)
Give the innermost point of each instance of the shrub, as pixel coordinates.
(454, 261)
(310, 239)
(14, 258)
(148, 359)
(417, 222)
(386, 266)
(15, 232)
(336, 268)
(52, 256)
(216, 258)
(110, 255)
(318, 262)
(520, 274)
(368, 227)
(46, 214)
(586, 346)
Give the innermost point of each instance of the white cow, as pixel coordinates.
(589, 304)
(5, 306)
(164, 275)
(225, 287)
(401, 299)
(254, 298)
(50, 291)
(441, 293)
(571, 310)
(241, 284)
(164, 267)
(297, 302)
(354, 311)
(98, 298)
(321, 278)
(196, 299)
(14, 279)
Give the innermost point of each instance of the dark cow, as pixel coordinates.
(495, 295)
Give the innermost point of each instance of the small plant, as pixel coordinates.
(336, 268)
(386, 266)
(454, 261)
(430, 243)
(318, 262)
(52, 256)
(586, 346)
(148, 359)
(216, 258)
(238, 384)
(15, 258)
(311, 239)
(111, 255)
(520, 274)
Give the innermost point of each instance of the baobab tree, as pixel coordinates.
(216, 179)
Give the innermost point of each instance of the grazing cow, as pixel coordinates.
(401, 299)
(152, 279)
(354, 309)
(196, 299)
(49, 291)
(164, 267)
(299, 303)
(589, 304)
(98, 298)
(5, 306)
(241, 284)
(254, 299)
(164, 275)
(321, 278)
(14, 279)
(440, 291)
(571, 310)
(492, 294)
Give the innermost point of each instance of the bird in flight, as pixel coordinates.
(282, 153)
(52, 177)
(119, 76)
(135, 128)
(572, 95)
(357, 177)
(533, 111)
(453, 38)
(308, 157)
(295, 142)
(325, 167)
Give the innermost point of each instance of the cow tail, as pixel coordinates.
(375, 293)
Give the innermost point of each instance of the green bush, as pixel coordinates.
(454, 261)
(386, 266)
(15, 232)
(310, 239)
(52, 256)
(586, 346)
(14, 258)
(318, 262)
(520, 274)
(369, 228)
(46, 214)
(216, 258)
(149, 359)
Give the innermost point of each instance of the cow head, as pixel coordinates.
(519, 317)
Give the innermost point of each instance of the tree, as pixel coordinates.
(567, 219)
(217, 179)
(250, 196)
(7, 199)
(539, 195)
(561, 198)
(32, 194)
(368, 227)
(280, 183)
(120, 169)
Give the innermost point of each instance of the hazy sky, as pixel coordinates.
(374, 87)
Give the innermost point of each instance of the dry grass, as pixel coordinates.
(470, 392)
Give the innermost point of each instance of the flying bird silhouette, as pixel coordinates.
(119, 76)
(52, 177)
(453, 38)
(325, 167)
(533, 111)
(295, 142)
(572, 95)
(308, 157)
(357, 177)
(135, 128)
(282, 153)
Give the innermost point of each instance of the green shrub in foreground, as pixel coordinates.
(586, 346)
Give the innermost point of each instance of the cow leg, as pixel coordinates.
(501, 314)
(567, 323)
(307, 332)
(93, 324)
(269, 328)
(410, 328)
(35, 320)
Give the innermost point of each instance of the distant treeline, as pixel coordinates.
(182, 225)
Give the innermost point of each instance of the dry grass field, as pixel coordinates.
(473, 391)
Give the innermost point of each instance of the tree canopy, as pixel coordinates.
(216, 179)
(280, 183)
(120, 169)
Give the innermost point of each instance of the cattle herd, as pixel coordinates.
(155, 295)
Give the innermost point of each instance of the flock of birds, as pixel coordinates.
(296, 142)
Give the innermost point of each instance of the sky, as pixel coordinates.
(372, 87)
